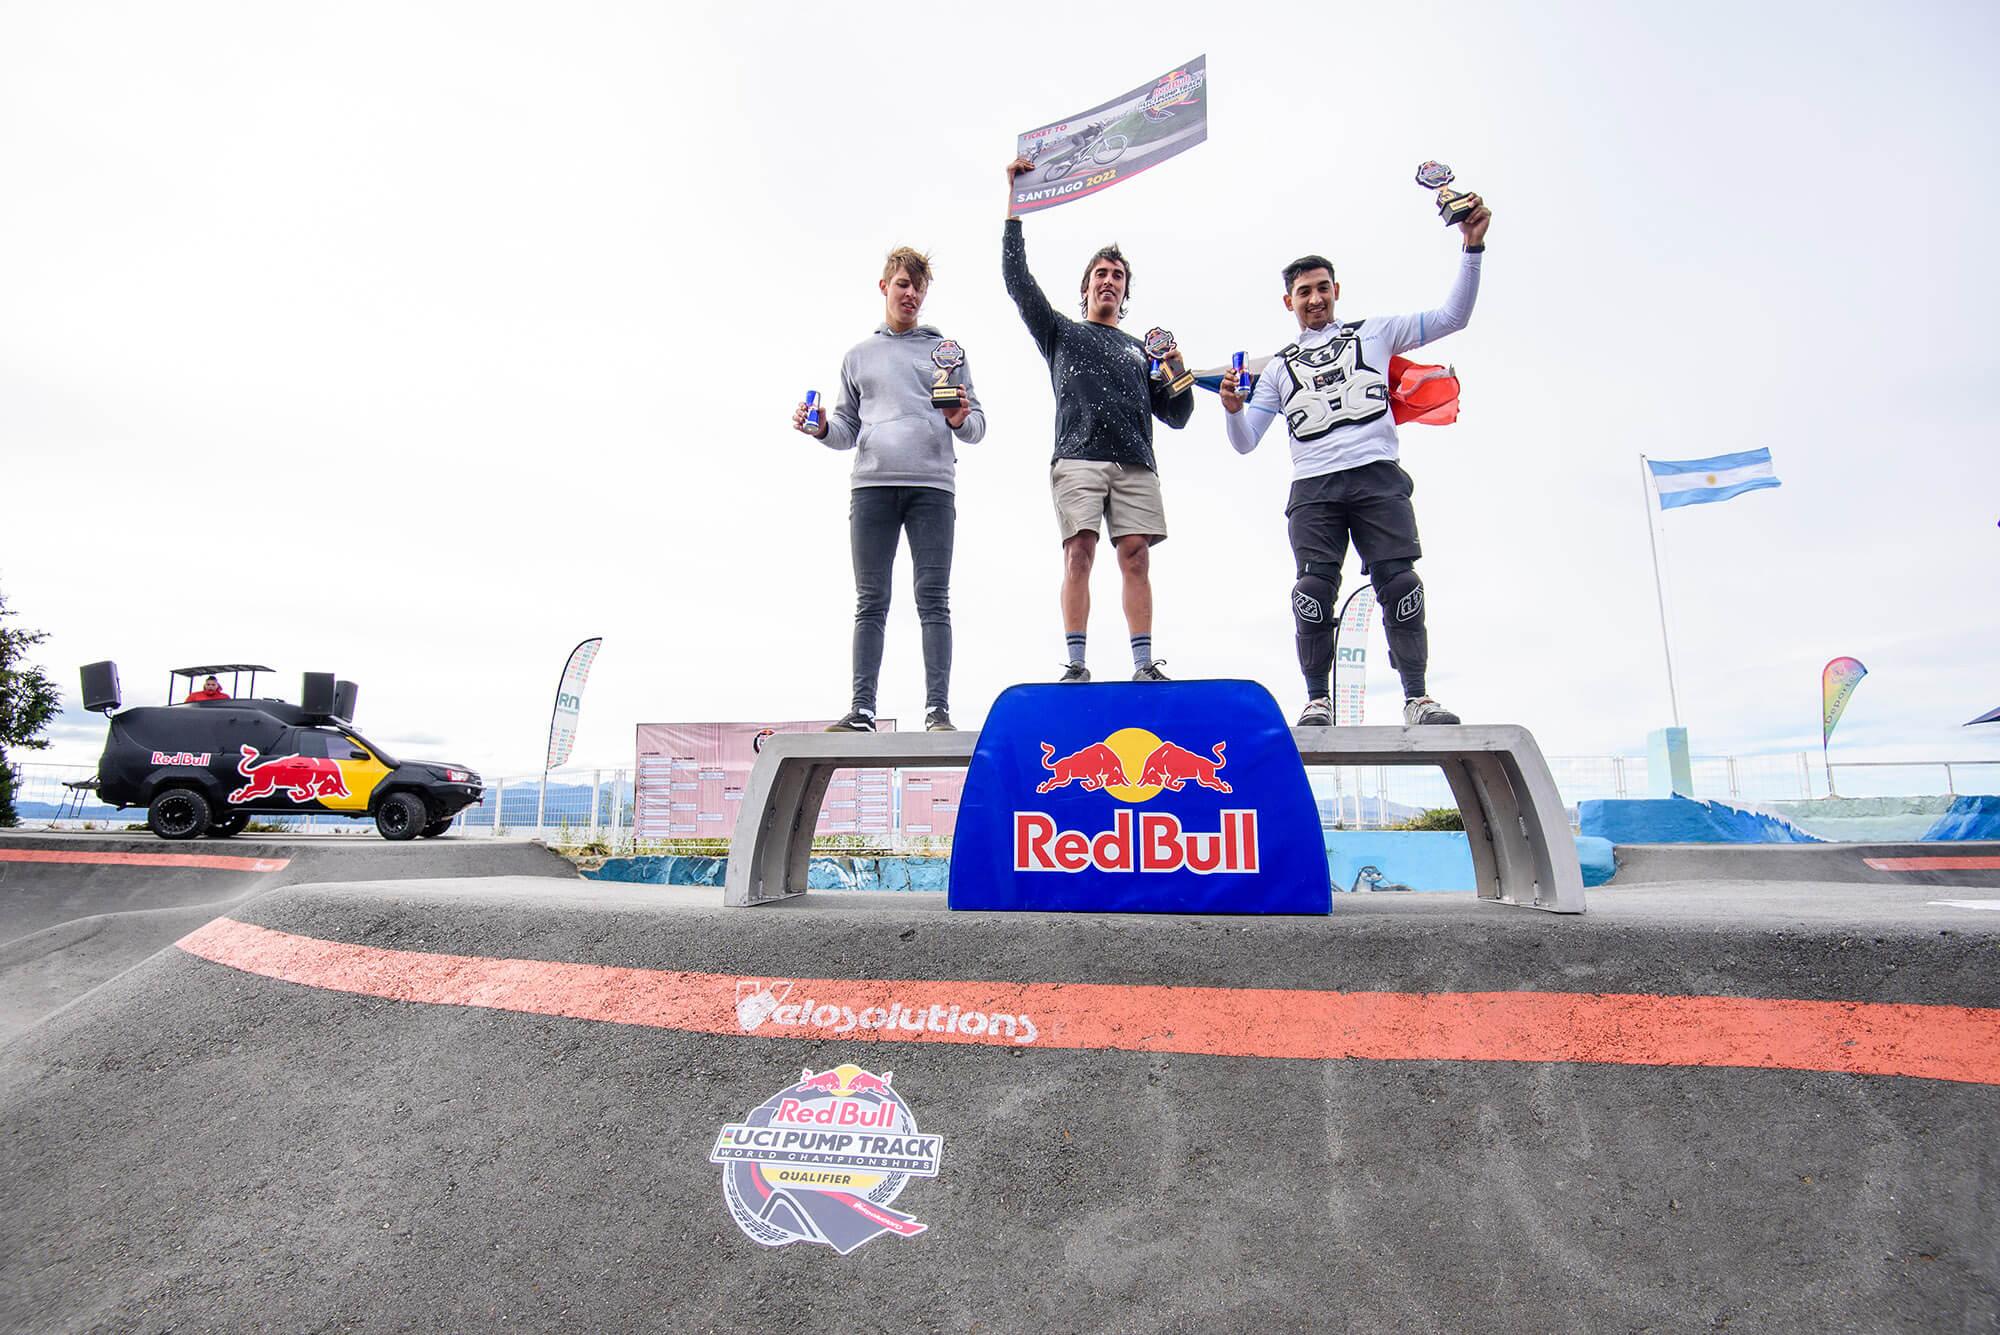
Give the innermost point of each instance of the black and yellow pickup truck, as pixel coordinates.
(205, 766)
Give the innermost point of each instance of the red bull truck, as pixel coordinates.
(204, 766)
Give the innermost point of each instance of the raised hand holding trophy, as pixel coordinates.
(947, 357)
(1160, 347)
(1454, 206)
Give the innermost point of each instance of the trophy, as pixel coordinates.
(1159, 343)
(1454, 206)
(947, 357)
(812, 410)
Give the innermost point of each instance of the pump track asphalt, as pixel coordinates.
(322, 1084)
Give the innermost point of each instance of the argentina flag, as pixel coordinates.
(1698, 481)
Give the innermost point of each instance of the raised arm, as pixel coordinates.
(1036, 313)
(1413, 331)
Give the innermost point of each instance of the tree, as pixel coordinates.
(28, 700)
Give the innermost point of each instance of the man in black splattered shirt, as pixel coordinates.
(1103, 467)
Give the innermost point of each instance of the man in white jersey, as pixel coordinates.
(1332, 389)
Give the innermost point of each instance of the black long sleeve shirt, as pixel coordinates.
(1105, 401)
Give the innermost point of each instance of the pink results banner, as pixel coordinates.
(690, 777)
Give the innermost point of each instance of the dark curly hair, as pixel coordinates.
(1116, 256)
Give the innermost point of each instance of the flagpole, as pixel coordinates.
(1659, 592)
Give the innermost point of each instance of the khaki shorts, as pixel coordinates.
(1126, 496)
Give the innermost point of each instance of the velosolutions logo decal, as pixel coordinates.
(822, 1160)
(767, 1001)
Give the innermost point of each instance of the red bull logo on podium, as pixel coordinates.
(1133, 765)
(1164, 797)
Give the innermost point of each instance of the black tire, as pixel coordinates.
(437, 827)
(1107, 150)
(228, 826)
(1058, 170)
(402, 816)
(178, 813)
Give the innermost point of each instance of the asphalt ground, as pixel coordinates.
(68, 924)
(490, 1103)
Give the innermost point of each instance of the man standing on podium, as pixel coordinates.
(1106, 399)
(906, 402)
(1332, 388)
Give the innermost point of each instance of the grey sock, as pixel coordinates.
(1073, 643)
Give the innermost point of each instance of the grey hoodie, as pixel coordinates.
(885, 410)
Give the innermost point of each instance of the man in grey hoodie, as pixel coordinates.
(889, 415)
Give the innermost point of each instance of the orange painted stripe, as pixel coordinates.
(1936, 1042)
(211, 861)
(1934, 864)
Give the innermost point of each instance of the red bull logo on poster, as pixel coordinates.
(1173, 90)
(823, 1159)
(301, 778)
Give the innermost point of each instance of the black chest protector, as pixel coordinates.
(1331, 386)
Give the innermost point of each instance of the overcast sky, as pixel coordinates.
(418, 342)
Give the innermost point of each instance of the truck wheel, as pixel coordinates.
(402, 816)
(178, 813)
(229, 825)
(437, 827)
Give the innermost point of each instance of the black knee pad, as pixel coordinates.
(1313, 608)
(1400, 594)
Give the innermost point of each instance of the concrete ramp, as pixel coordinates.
(1968, 863)
(513, 1103)
(77, 909)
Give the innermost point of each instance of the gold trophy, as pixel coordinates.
(947, 357)
(1454, 206)
(1160, 343)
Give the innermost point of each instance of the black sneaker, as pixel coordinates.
(1318, 714)
(1151, 672)
(938, 721)
(856, 721)
(1074, 672)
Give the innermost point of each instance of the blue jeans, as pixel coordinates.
(876, 517)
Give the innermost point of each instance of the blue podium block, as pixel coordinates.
(1138, 797)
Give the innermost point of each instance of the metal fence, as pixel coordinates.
(594, 806)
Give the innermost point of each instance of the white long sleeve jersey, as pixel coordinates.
(1332, 386)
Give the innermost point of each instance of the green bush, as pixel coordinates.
(1437, 818)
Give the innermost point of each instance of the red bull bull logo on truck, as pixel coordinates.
(1165, 797)
(301, 778)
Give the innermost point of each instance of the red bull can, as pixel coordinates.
(812, 410)
(1242, 381)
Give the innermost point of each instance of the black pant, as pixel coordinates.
(1370, 503)
(876, 515)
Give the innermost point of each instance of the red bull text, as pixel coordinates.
(1157, 843)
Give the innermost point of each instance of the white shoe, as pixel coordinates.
(1318, 714)
(1423, 709)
